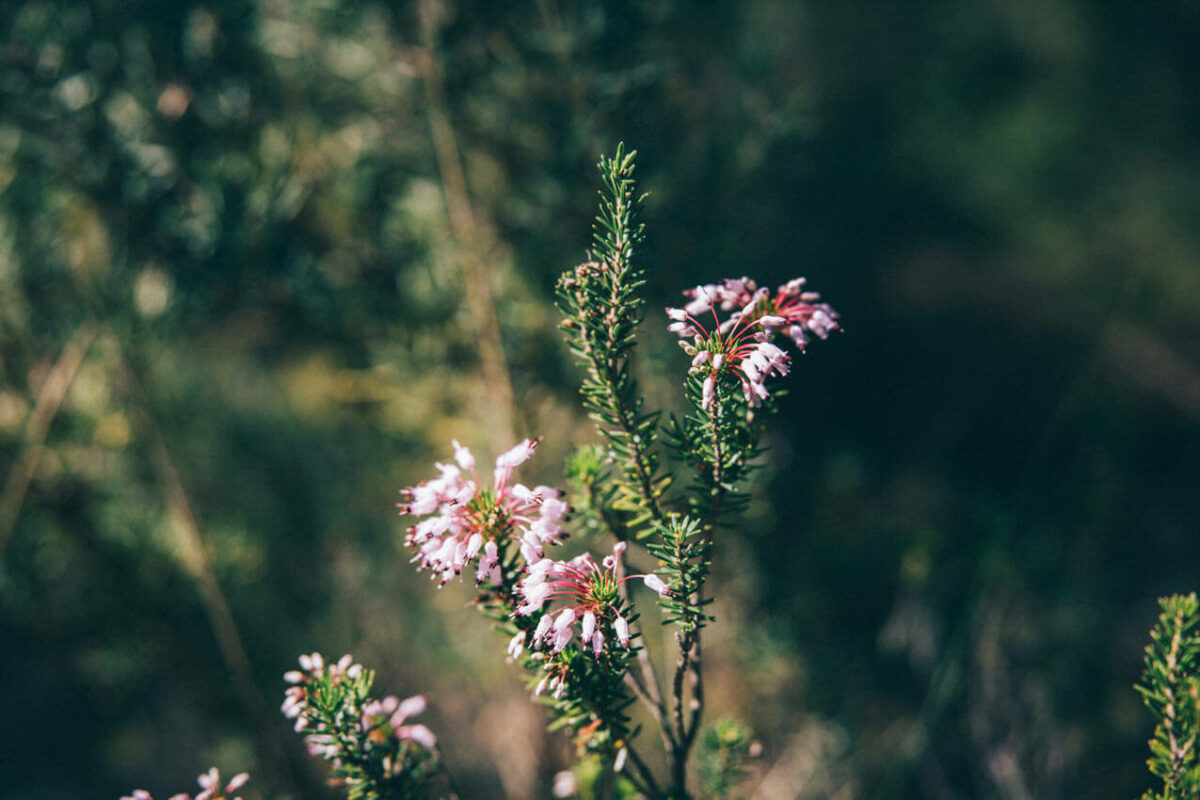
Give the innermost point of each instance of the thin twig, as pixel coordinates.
(194, 556)
(646, 689)
(641, 455)
(690, 643)
(192, 551)
(37, 427)
(709, 536)
(650, 785)
(467, 234)
(606, 368)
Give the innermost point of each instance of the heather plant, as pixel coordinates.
(374, 749)
(572, 622)
(652, 498)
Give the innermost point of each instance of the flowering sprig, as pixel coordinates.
(464, 518)
(374, 749)
(210, 784)
(583, 683)
(732, 359)
(601, 311)
(464, 522)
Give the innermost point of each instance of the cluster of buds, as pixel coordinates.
(591, 593)
(741, 344)
(210, 784)
(466, 521)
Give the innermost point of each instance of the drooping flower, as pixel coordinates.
(591, 602)
(210, 783)
(741, 349)
(466, 521)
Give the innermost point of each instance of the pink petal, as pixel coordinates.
(419, 734)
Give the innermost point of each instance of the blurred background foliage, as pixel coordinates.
(261, 259)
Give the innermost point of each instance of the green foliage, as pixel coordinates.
(685, 552)
(593, 494)
(583, 692)
(593, 701)
(601, 308)
(1171, 688)
(721, 760)
(719, 444)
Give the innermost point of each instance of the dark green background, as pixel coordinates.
(974, 494)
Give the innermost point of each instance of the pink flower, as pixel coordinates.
(387, 717)
(592, 603)
(516, 645)
(466, 521)
(800, 312)
(729, 294)
(655, 583)
(418, 734)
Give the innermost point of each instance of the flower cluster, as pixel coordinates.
(791, 309)
(368, 739)
(741, 349)
(741, 344)
(210, 783)
(464, 518)
(591, 595)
